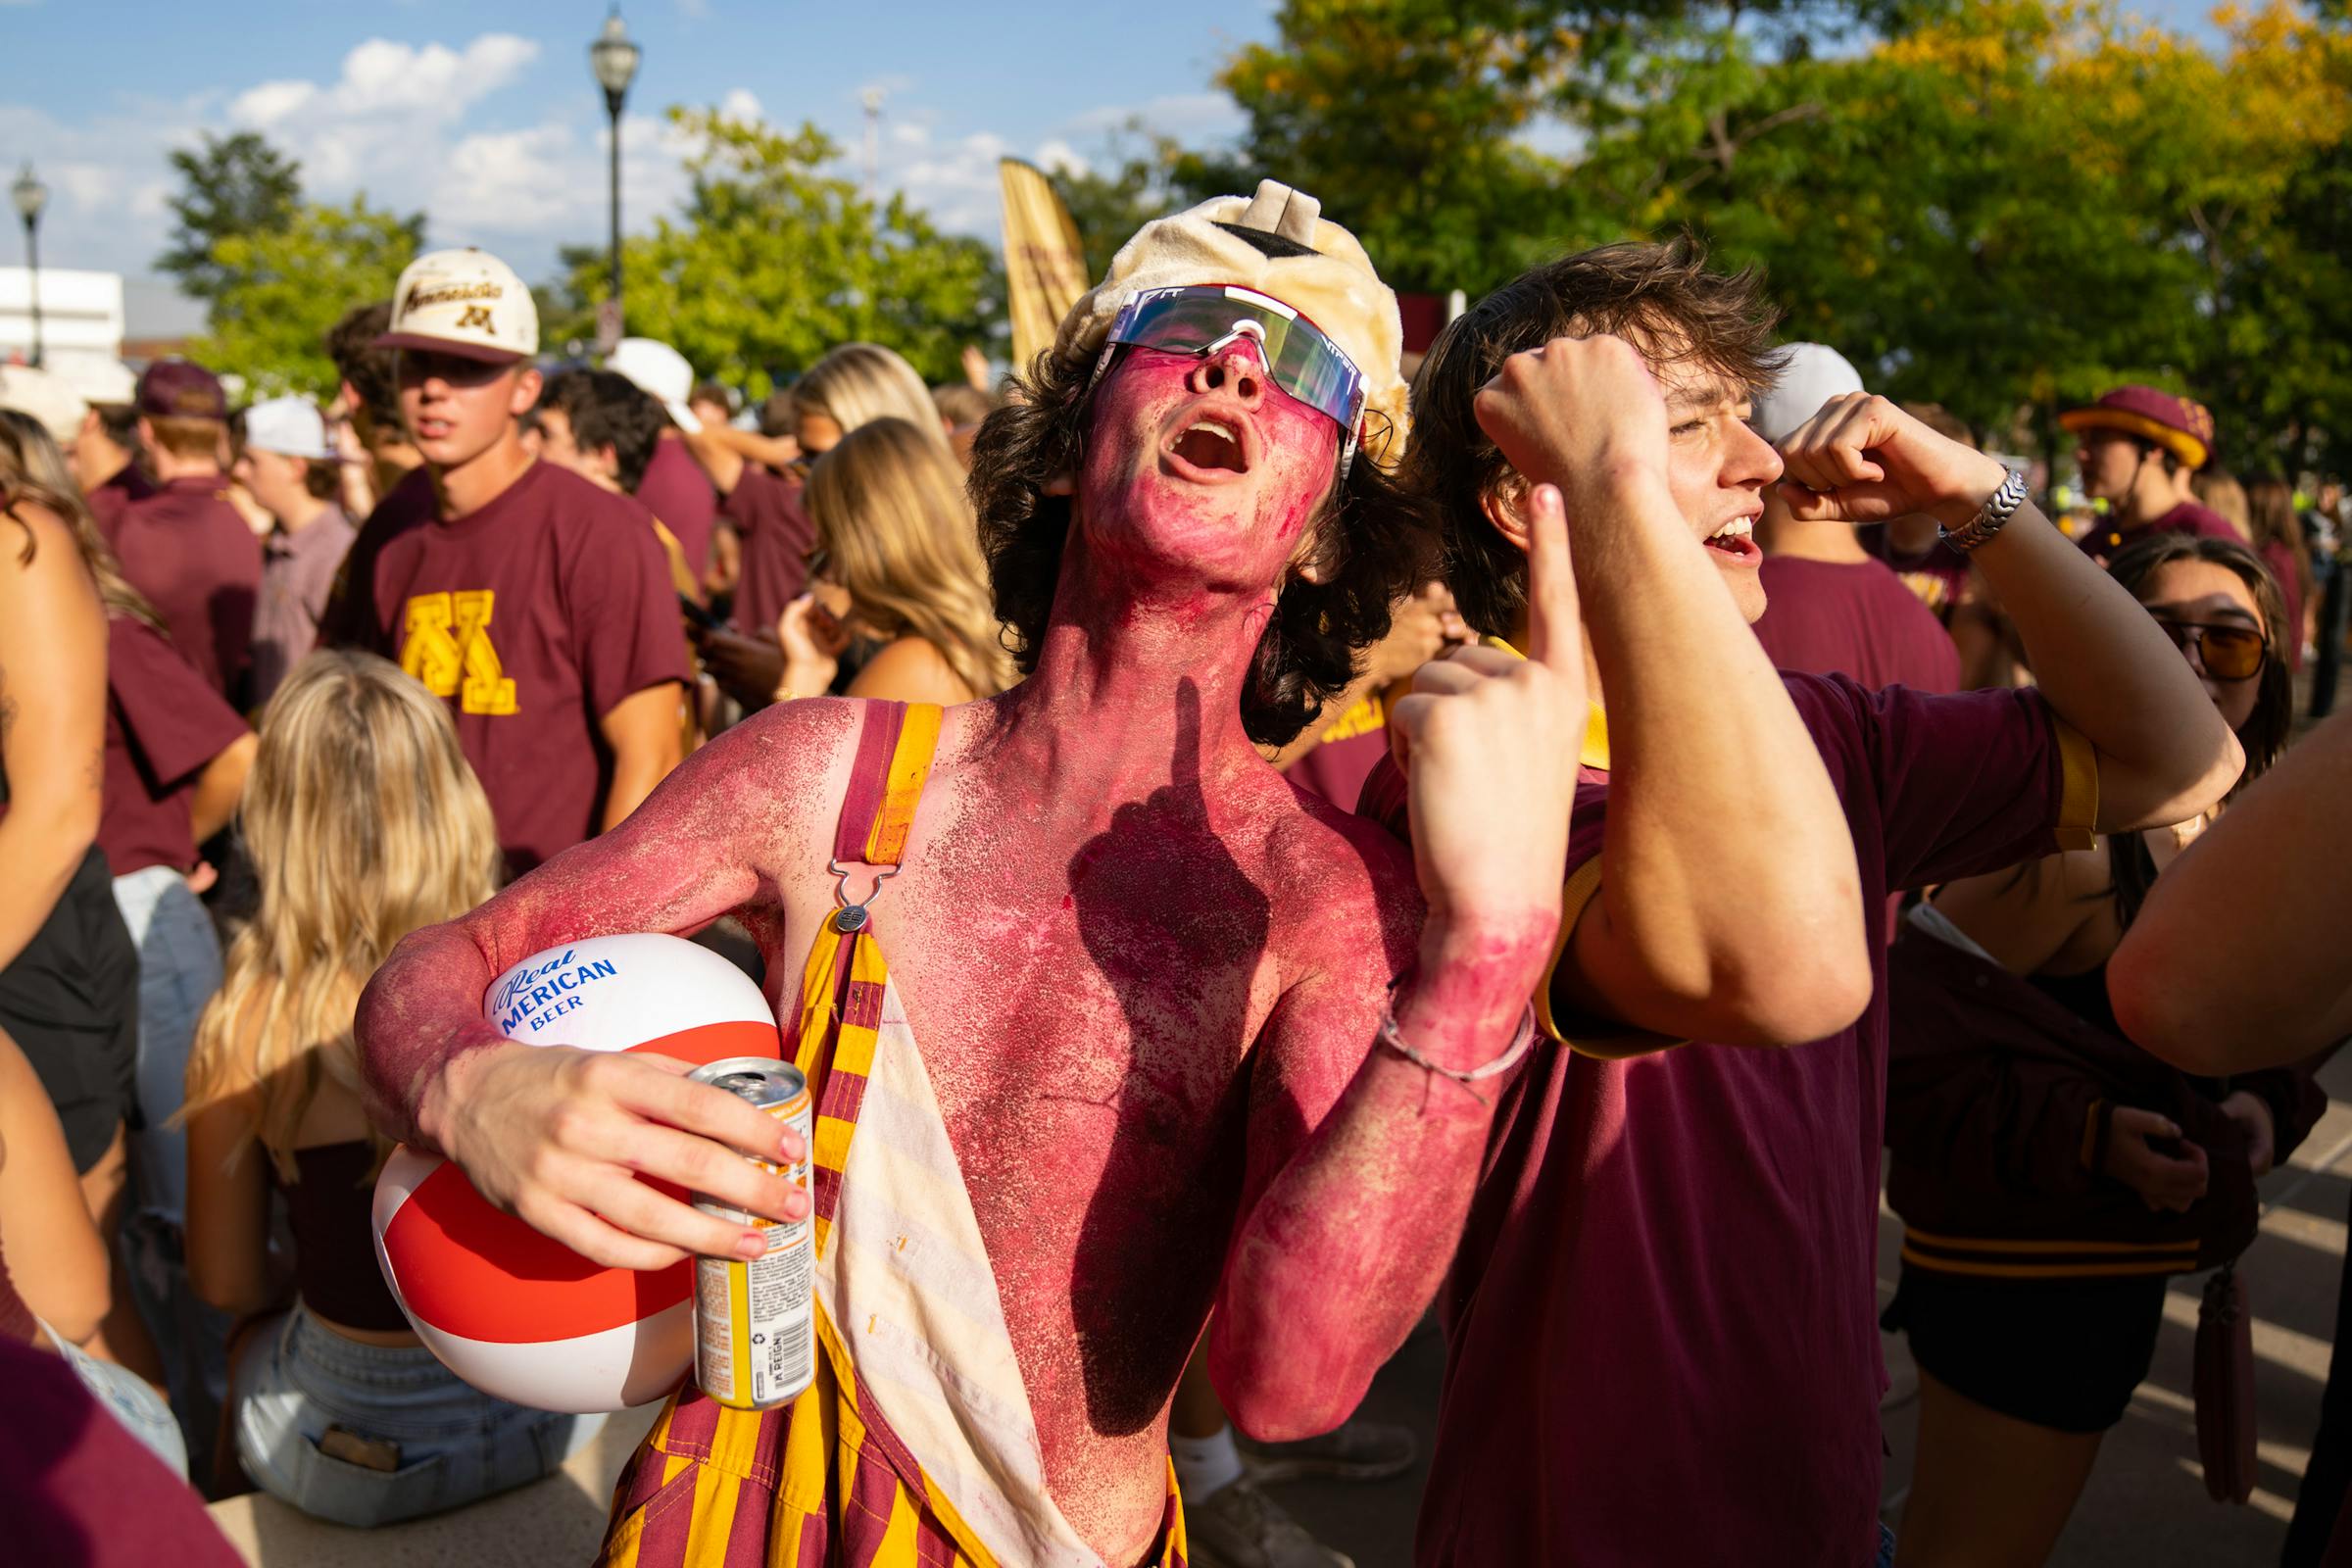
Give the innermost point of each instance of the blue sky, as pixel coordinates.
(485, 115)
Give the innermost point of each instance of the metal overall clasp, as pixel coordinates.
(851, 916)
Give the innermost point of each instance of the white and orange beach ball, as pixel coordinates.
(515, 1312)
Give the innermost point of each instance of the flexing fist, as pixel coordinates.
(1580, 412)
(1864, 460)
(1488, 743)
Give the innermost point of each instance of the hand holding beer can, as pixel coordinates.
(755, 1322)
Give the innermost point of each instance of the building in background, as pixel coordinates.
(100, 316)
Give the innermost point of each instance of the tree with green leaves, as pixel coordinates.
(232, 187)
(285, 286)
(772, 262)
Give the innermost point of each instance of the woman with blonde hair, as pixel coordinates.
(898, 559)
(364, 823)
(855, 384)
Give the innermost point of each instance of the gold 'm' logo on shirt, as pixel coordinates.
(446, 645)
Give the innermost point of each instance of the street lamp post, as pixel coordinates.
(614, 57)
(31, 197)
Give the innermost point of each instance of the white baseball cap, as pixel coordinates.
(660, 372)
(464, 302)
(98, 377)
(43, 397)
(292, 428)
(1811, 373)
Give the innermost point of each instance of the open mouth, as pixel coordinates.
(1211, 445)
(1737, 540)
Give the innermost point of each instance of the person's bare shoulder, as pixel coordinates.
(1343, 884)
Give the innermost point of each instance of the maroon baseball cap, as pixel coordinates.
(2178, 426)
(182, 389)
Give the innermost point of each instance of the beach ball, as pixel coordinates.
(517, 1313)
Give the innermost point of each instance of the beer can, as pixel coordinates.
(755, 1321)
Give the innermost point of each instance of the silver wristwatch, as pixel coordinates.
(1991, 518)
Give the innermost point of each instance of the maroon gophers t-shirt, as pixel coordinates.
(186, 549)
(765, 509)
(1662, 1321)
(676, 490)
(163, 724)
(1853, 617)
(534, 616)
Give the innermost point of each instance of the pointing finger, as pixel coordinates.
(1555, 628)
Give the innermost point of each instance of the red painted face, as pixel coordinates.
(1202, 469)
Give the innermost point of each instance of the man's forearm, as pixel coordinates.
(1352, 1237)
(2238, 959)
(2108, 669)
(671, 868)
(1727, 863)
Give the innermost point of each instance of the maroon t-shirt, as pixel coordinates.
(75, 1487)
(534, 615)
(1338, 765)
(1853, 617)
(1938, 575)
(2105, 541)
(350, 619)
(677, 491)
(163, 724)
(765, 510)
(189, 551)
(1662, 1321)
(110, 499)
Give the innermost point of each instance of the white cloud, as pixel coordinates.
(468, 132)
(1056, 155)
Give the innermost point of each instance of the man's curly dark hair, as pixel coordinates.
(1373, 546)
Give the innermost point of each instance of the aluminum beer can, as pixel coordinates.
(755, 1322)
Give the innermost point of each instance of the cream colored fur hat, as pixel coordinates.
(1336, 288)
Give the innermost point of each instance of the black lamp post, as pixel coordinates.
(31, 197)
(614, 57)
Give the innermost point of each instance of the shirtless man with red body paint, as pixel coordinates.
(1147, 974)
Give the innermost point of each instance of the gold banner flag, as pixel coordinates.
(1044, 266)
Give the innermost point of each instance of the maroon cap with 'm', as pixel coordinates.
(182, 389)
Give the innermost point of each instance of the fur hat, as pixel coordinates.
(1321, 272)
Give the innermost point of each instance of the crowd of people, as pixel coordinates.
(1533, 827)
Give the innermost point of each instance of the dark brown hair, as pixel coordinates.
(2264, 732)
(373, 373)
(1663, 298)
(1373, 546)
(607, 409)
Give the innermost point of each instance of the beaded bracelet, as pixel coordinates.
(1391, 1038)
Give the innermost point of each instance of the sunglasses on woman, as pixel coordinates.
(1204, 318)
(2227, 653)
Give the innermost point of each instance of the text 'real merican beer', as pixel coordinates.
(755, 1321)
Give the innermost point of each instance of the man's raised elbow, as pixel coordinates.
(2164, 1020)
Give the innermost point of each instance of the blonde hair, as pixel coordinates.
(860, 382)
(32, 470)
(364, 823)
(2220, 492)
(891, 512)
